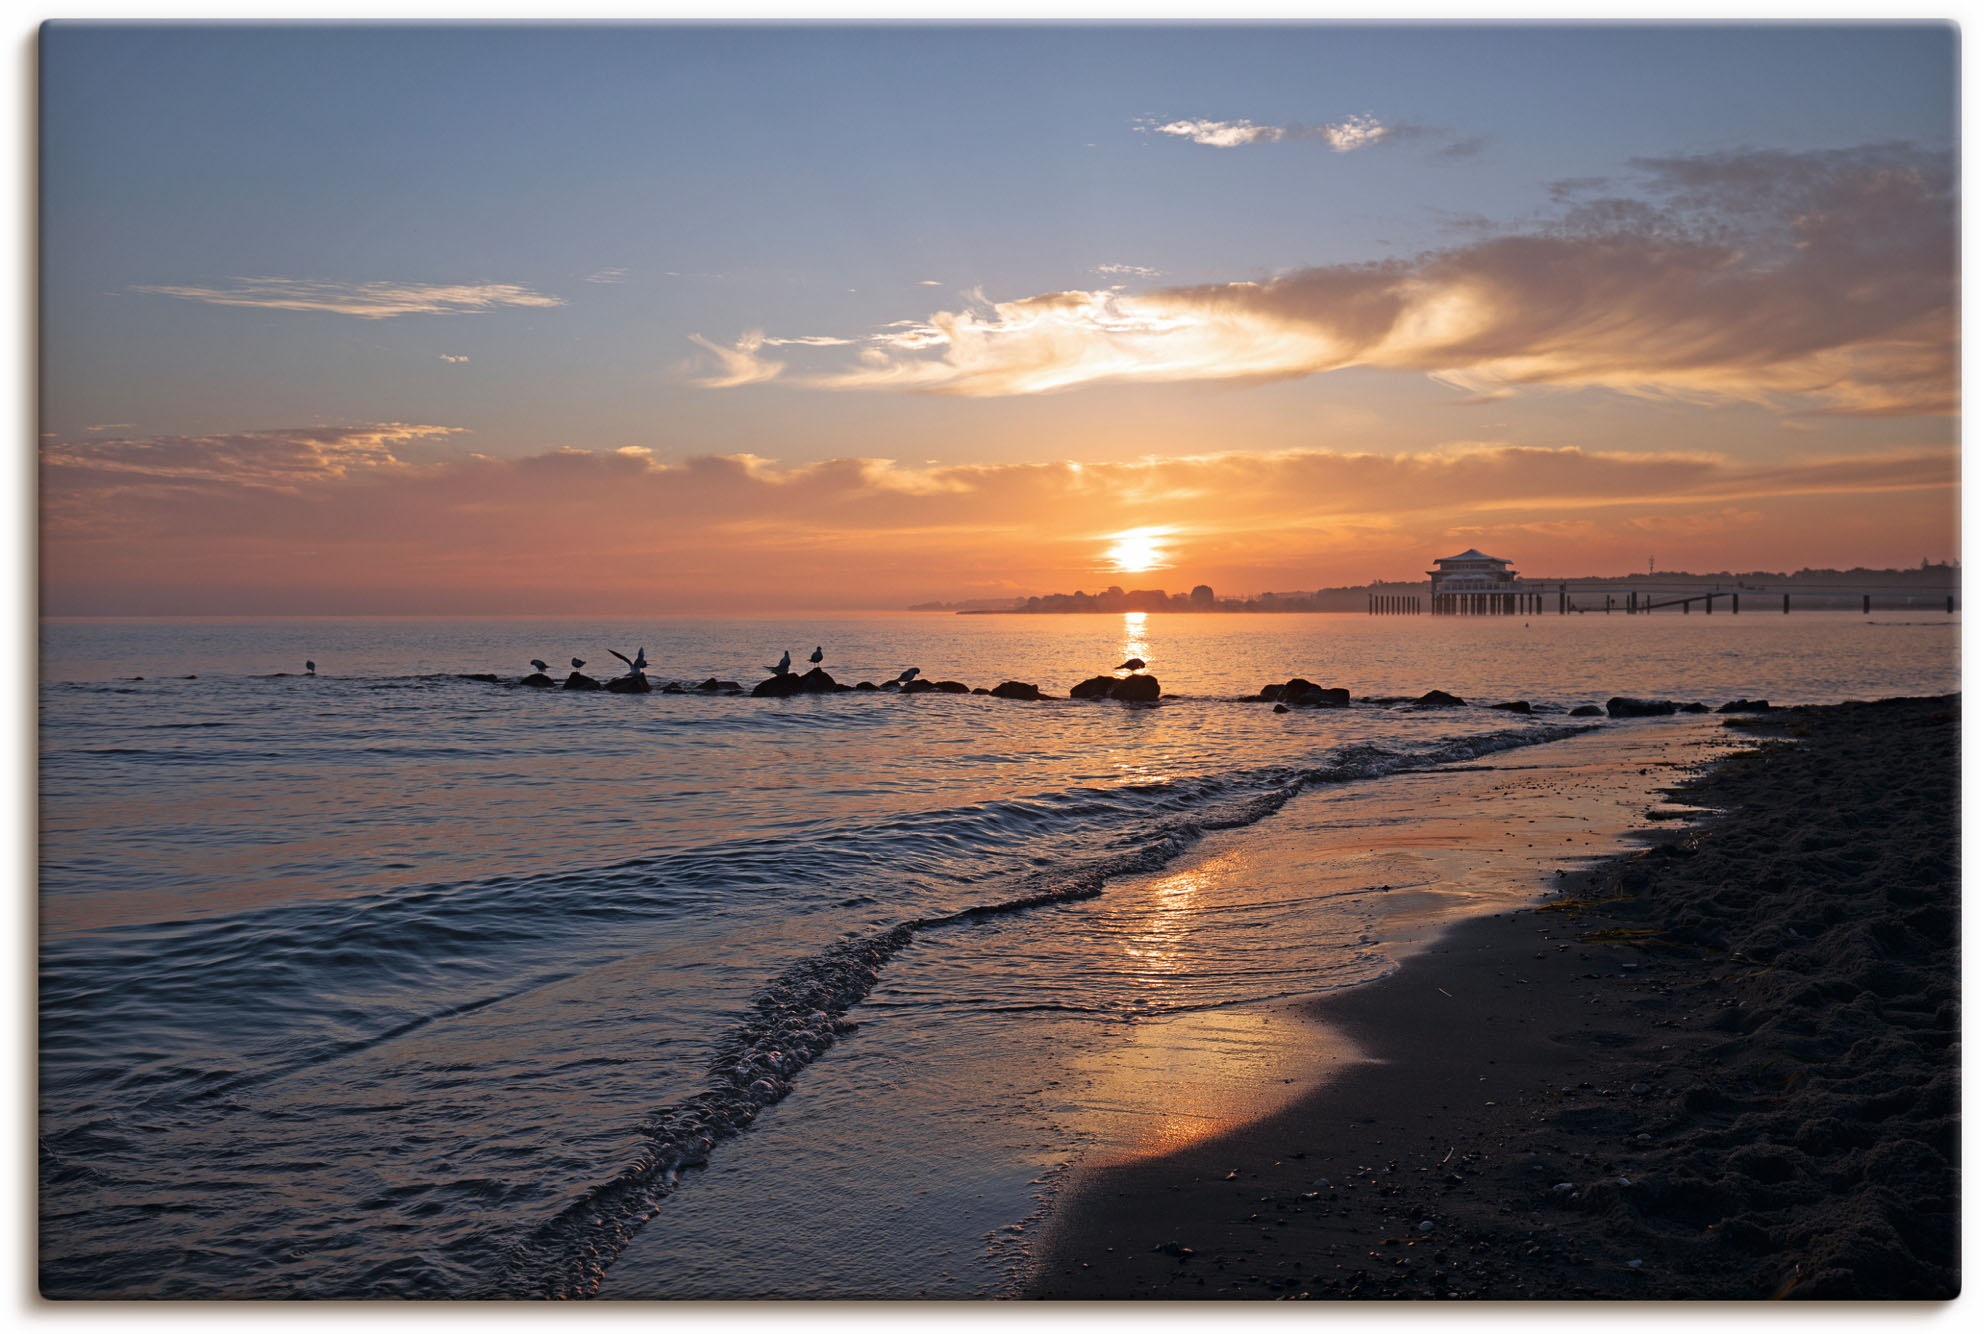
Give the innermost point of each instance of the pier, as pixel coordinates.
(1642, 600)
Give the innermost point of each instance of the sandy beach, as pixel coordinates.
(1723, 1067)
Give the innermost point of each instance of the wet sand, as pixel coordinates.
(1724, 1067)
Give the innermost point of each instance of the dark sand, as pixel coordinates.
(1722, 1068)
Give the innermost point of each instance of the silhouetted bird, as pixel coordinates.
(784, 667)
(309, 668)
(908, 675)
(580, 662)
(1133, 665)
(817, 655)
(540, 664)
(636, 664)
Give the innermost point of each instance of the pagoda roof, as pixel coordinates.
(1472, 554)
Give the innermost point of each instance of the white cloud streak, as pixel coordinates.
(1344, 136)
(368, 301)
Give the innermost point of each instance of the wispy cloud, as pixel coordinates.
(1352, 132)
(737, 364)
(379, 518)
(1126, 271)
(369, 301)
(608, 276)
(1818, 281)
(453, 360)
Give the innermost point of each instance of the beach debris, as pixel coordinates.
(1564, 1186)
(1321, 1183)
(1425, 1225)
(1634, 1264)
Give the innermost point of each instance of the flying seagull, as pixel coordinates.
(580, 662)
(1133, 665)
(309, 667)
(784, 667)
(540, 664)
(817, 654)
(636, 664)
(908, 675)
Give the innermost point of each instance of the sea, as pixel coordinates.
(392, 982)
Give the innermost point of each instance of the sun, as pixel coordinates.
(1137, 551)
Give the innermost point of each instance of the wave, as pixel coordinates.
(802, 1012)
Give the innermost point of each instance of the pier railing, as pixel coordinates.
(1533, 598)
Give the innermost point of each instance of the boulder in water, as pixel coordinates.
(1017, 690)
(866, 685)
(490, 677)
(917, 687)
(634, 684)
(1096, 687)
(714, 686)
(1136, 688)
(1587, 711)
(537, 681)
(1619, 706)
(1438, 699)
(1746, 706)
(1691, 708)
(1317, 697)
(580, 681)
(952, 688)
(1514, 706)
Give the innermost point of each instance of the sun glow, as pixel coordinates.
(1138, 551)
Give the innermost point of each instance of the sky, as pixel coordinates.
(687, 319)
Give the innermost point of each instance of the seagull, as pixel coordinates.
(784, 667)
(908, 675)
(1133, 665)
(578, 663)
(636, 664)
(309, 667)
(817, 654)
(540, 664)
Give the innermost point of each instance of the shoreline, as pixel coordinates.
(1720, 1068)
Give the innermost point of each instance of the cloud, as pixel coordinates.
(929, 282)
(369, 301)
(1819, 281)
(454, 361)
(607, 276)
(1353, 132)
(738, 364)
(1126, 271)
(376, 517)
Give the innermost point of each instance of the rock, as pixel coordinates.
(580, 681)
(1438, 699)
(818, 682)
(1017, 690)
(1136, 689)
(1096, 687)
(952, 688)
(490, 677)
(537, 681)
(673, 688)
(1692, 708)
(1268, 694)
(1290, 690)
(1425, 1225)
(866, 685)
(1621, 707)
(1587, 711)
(1514, 706)
(776, 687)
(634, 684)
(918, 687)
(1746, 706)
(712, 686)
(980, 690)
(1317, 697)
(1281, 708)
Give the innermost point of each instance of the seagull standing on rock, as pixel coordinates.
(817, 655)
(577, 663)
(784, 667)
(1133, 665)
(309, 667)
(909, 674)
(540, 664)
(636, 664)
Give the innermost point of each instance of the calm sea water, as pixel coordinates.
(386, 982)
